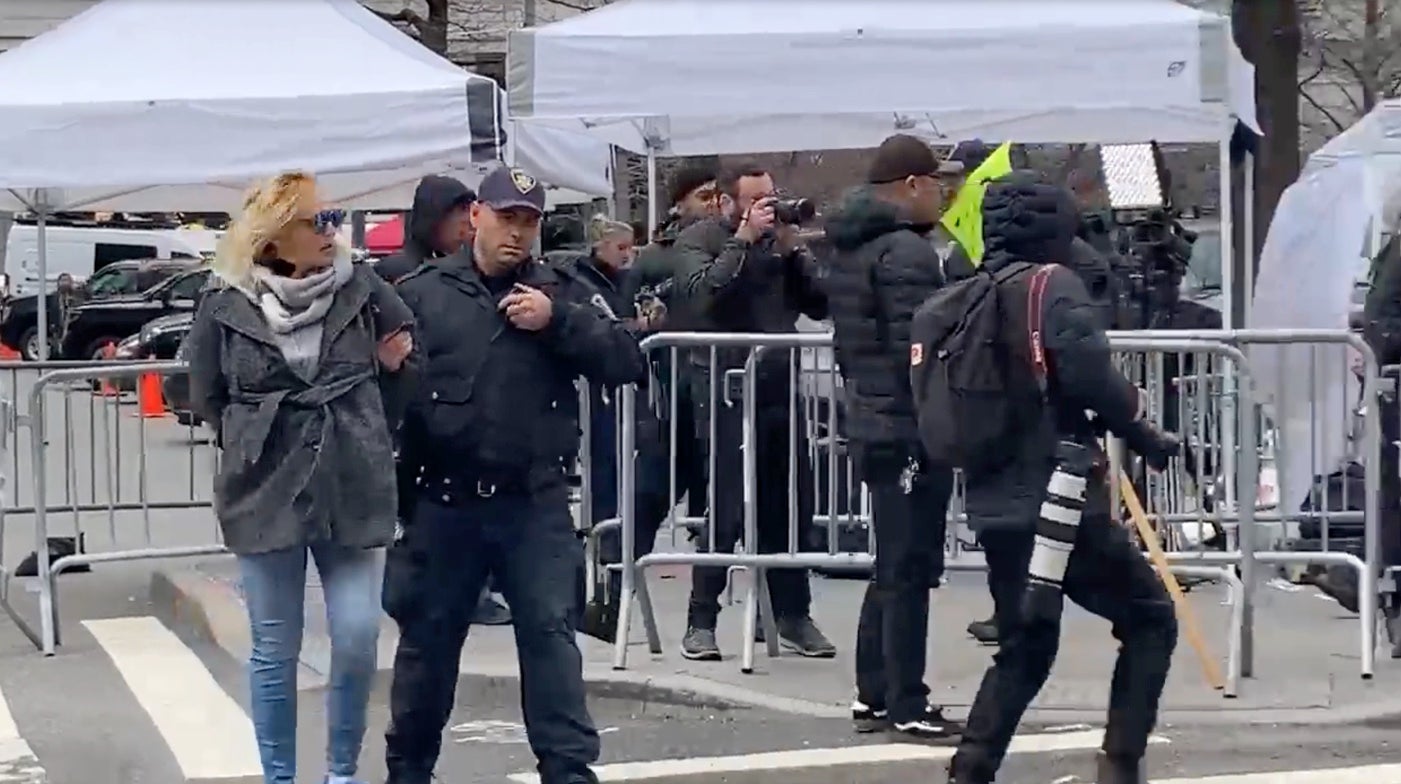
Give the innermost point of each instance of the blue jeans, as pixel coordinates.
(274, 587)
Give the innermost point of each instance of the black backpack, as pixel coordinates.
(965, 386)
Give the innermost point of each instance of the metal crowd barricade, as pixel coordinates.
(758, 602)
(110, 457)
(1247, 553)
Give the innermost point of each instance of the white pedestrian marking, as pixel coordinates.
(822, 758)
(1365, 774)
(18, 765)
(207, 732)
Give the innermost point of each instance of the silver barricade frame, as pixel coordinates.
(52, 375)
(633, 578)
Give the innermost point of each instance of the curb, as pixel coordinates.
(210, 610)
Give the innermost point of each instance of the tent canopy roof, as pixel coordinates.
(152, 104)
(712, 76)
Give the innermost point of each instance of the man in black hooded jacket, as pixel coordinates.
(436, 226)
(884, 268)
(1106, 574)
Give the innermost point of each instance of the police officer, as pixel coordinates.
(1105, 572)
(884, 268)
(489, 437)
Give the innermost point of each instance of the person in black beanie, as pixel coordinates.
(884, 267)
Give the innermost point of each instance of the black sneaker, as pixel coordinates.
(868, 719)
(699, 645)
(801, 636)
(984, 632)
(1113, 770)
(932, 725)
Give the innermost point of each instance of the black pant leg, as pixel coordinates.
(1390, 521)
(1008, 558)
(433, 577)
(727, 516)
(1109, 576)
(1019, 667)
(536, 554)
(788, 588)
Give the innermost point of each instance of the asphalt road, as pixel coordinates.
(127, 701)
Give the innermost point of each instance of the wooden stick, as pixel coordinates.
(1186, 616)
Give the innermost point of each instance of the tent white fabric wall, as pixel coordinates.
(684, 77)
(151, 105)
(1320, 243)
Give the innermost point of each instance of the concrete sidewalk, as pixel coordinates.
(1306, 668)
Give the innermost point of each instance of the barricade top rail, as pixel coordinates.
(737, 340)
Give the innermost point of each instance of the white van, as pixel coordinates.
(79, 251)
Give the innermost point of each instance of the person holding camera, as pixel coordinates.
(885, 266)
(748, 272)
(1042, 513)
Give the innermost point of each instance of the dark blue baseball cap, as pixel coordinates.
(508, 188)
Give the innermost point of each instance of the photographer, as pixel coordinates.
(747, 272)
(1075, 549)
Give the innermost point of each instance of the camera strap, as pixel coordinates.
(1035, 297)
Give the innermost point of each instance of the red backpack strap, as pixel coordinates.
(1035, 297)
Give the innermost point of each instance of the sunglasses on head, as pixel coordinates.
(327, 221)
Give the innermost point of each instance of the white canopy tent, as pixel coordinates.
(193, 101)
(690, 77)
(1326, 229)
(198, 99)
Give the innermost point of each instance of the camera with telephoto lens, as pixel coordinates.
(793, 212)
(1159, 247)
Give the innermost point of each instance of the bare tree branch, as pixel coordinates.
(1338, 125)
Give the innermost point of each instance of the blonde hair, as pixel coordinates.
(601, 227)
(267, 208)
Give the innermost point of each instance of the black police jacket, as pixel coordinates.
(497, 401)
(884, 269)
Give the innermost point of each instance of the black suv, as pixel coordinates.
(19, 324)
(93, 325)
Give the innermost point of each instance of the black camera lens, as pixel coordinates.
(794, 211)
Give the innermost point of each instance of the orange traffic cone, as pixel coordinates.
(150, 402)
(105, 387)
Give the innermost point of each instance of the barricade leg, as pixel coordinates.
(1236, 590)
(649, 616)
(751, 620)
(766, 616)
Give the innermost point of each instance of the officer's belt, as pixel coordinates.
(464, 484)
(256, 430)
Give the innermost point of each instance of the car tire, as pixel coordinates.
(29, 345)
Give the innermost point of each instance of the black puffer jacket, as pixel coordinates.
(883, 269)
(1029, 222)
(432, 200)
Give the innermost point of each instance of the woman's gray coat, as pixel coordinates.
(302, 461)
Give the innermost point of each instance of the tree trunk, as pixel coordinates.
(1371, 55)
(434, 30)
(1270, 38)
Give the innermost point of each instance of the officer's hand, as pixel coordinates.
(757, 220)
(394, 349)
(527, 308)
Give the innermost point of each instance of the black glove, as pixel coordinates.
(1157, 446)
(1041, 605)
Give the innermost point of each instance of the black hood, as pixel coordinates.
(1025, 220)
(433, 199)
(863, 217)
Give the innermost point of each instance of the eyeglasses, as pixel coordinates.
(325, 221)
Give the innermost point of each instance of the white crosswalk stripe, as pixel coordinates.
(1363, 774)
(182, 698)
(17, 762)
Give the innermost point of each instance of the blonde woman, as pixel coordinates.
(299, 360)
